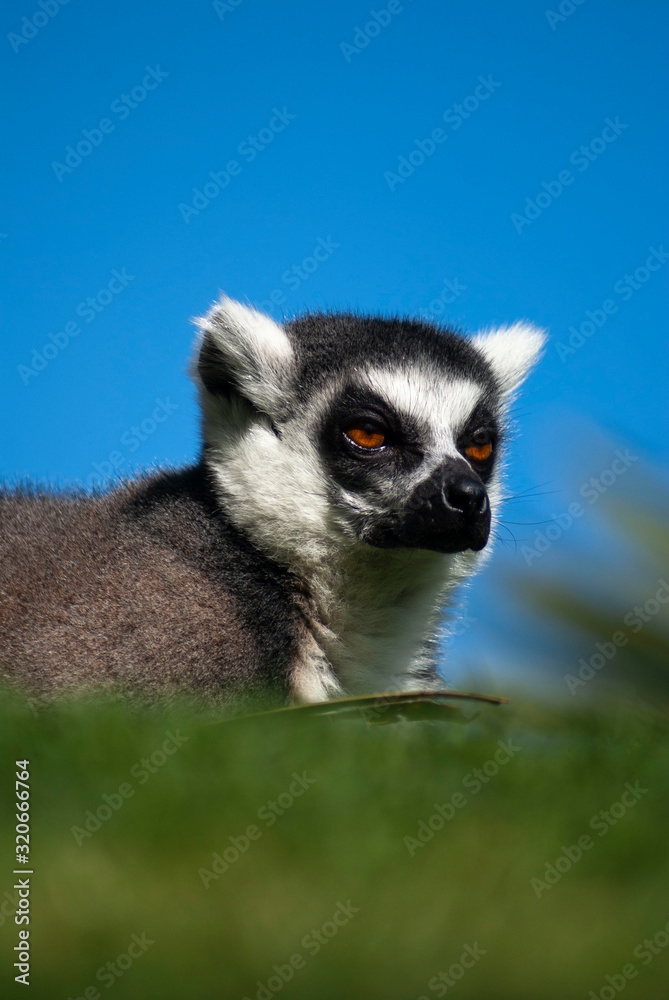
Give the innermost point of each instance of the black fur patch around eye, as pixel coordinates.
(482, 418)
(373, 470)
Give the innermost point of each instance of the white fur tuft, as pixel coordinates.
(253, 348)
(511, 352)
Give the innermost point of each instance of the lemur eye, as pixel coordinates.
(366, 434)
(480, 448)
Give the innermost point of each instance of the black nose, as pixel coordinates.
(467, 496)
(448, 512)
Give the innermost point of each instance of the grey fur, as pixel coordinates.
(282, 565)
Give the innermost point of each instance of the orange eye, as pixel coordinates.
(366, 435)
(479, 452)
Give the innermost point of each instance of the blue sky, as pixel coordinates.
(217, 145)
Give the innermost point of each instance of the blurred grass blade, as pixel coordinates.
(382, 709)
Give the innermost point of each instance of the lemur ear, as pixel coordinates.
(511, 352)
(243, 351)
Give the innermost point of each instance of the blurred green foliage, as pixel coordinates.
(522, 855)
(508, 811)
(621, 612)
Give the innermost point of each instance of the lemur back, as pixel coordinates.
(146, 590)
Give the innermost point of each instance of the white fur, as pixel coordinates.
(511, 352)
(255, 347)
(442, 408)
(368, 610)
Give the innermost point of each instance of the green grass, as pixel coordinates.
(342, 839)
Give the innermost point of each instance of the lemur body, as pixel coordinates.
(348, 481)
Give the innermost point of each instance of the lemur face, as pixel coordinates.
(411, 465)
(384, 432)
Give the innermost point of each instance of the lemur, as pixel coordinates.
(348, 480)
